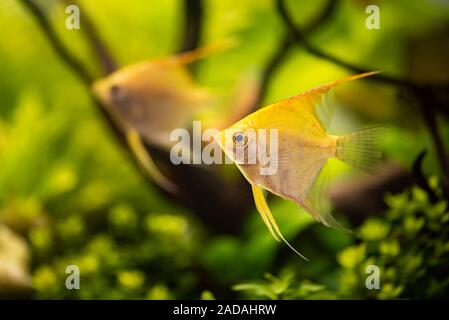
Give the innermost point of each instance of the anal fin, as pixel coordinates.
(268, 218)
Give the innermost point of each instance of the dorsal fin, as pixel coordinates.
(318, 101)
(198, 53)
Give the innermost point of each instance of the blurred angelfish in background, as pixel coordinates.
(154, 97)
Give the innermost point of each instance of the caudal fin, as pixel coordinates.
(361, 149)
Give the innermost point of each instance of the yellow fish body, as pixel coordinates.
(302, 148)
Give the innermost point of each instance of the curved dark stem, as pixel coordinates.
(65, 55)
(72, 62)
(272, 66)
(323, 17)
(430, 118)
(299, 36)
(288, 42)
(193, 14)
(105, 58)
(420, 179)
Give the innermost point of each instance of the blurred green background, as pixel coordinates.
(69, 194)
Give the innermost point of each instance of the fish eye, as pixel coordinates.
(119, 94)
(115, 89)
(239, 138)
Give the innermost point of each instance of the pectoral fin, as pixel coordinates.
(317, 203)
(268, 218)
(146, 162)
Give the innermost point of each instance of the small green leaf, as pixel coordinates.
(352, 256)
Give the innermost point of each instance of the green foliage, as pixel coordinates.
(129, 243)
(79, 201)
(409, 244)
(284, 287)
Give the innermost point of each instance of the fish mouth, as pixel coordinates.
(99, 89)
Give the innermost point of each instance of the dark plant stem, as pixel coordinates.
(420, 179)
(271, 68)
(105, 58)
(287, 43)
(58, 46)
(430, 118)
(71, 61)
(323, 17)
(300, 37)
(193, 18)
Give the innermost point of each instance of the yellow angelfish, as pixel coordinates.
(300, 151)
(151, 98)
